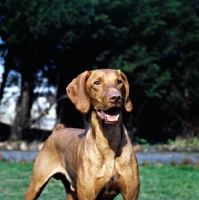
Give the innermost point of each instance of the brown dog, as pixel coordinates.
(99, 162)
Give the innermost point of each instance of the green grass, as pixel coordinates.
(157, 183)
(169, 183)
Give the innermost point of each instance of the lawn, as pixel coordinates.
(157, 183)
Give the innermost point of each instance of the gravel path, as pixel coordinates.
(152, 157)
(166, 157)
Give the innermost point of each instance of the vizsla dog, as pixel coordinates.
(99, 162)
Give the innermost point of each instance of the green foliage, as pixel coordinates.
(161, 57)
(155, 43)
(191, 143)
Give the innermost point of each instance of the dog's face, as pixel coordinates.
(102, 90)
(106, 90)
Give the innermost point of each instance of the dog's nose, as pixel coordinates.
(115, 97)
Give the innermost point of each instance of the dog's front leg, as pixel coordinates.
(86, 187)
(130, 183)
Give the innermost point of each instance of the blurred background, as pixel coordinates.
(45, 44)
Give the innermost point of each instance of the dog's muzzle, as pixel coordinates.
(110, 116)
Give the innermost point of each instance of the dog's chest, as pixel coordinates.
(111, 182)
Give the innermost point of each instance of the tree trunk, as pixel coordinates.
(22, 112)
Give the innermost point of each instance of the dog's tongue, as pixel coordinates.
(108, 117)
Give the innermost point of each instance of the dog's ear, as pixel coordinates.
(76, 91)
(127, 102)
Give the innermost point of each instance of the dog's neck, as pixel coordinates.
(108, 137)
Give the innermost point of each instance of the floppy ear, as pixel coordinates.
(127, 102)
(76, 91)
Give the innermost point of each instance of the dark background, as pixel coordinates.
(155, 43)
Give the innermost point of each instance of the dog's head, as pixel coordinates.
(103, 90)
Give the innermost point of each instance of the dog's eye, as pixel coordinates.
(97, 83)
(119, 81)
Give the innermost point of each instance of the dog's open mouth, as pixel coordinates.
(109, 116)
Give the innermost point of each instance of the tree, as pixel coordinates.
(34, 39)
(155, 43)
(161, 59)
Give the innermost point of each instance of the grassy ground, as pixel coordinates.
(157, 183)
